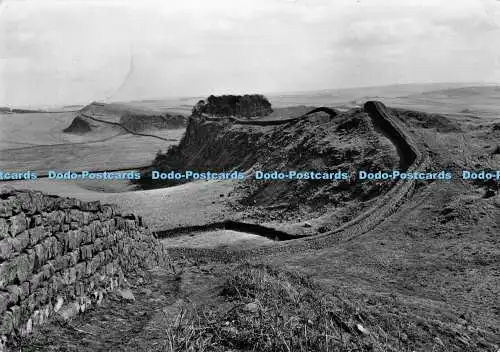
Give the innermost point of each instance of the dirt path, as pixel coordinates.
(120, 325)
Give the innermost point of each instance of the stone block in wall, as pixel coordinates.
(24, 264)
(89, 233)
(9, 207)
(93, 265)
(116, 209)
(51, 202)
(41, 256)
(6, 249)
(86, 252)
(95, 228)
(54, 283)
(4, 302)
(68, 203)
(35, 220)
(75, 238)
(79, 289)
(109, 225)
(4, 229)
(109, 241)
(78, 216)
(107, 255)
(31, 202)
(68, 292)
(110, 268)
(48, 270)
(120, 223)
(41, 296)
(73, 257)
(107, 212)
(18, 223)
(81, 270)
(28, 305)
(15, 294)
(25, 290)
(62, 239)
(37, 234)
(61, 263)
(98, 245)
(68, 276)
(5, 209)
(54, 218)
(21, 241)
(95, 217)
(86, 235)
(91, 206)
(52, 247)
(35, 282)
(55, 228)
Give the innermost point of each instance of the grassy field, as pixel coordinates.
(122, 151)
(23, 130)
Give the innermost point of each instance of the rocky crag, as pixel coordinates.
(98, 116)
(321, 141)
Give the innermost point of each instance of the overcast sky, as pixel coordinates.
(55, 52)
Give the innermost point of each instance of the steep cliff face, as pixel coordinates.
(347, 142)
(59, 256)
(97, 117)
(139, 123)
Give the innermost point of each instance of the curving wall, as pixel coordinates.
(238, 121)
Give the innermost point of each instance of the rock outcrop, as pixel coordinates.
(97, 117)
(140, 123)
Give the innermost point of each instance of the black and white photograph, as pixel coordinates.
(250, 175)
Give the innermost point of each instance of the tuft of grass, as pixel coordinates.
(267, 309)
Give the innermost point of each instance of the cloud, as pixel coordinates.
(76, 48)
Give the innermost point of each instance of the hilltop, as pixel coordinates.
(99, 117)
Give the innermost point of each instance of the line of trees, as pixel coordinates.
(247, 105)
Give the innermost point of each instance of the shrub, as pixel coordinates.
(234, 105)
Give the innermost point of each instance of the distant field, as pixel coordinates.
(481, 101)
(36, 141)
(119, 152)
(446, 99)
(21, 130)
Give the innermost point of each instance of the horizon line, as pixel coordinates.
(268, 93)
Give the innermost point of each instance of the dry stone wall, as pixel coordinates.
(62, 255)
